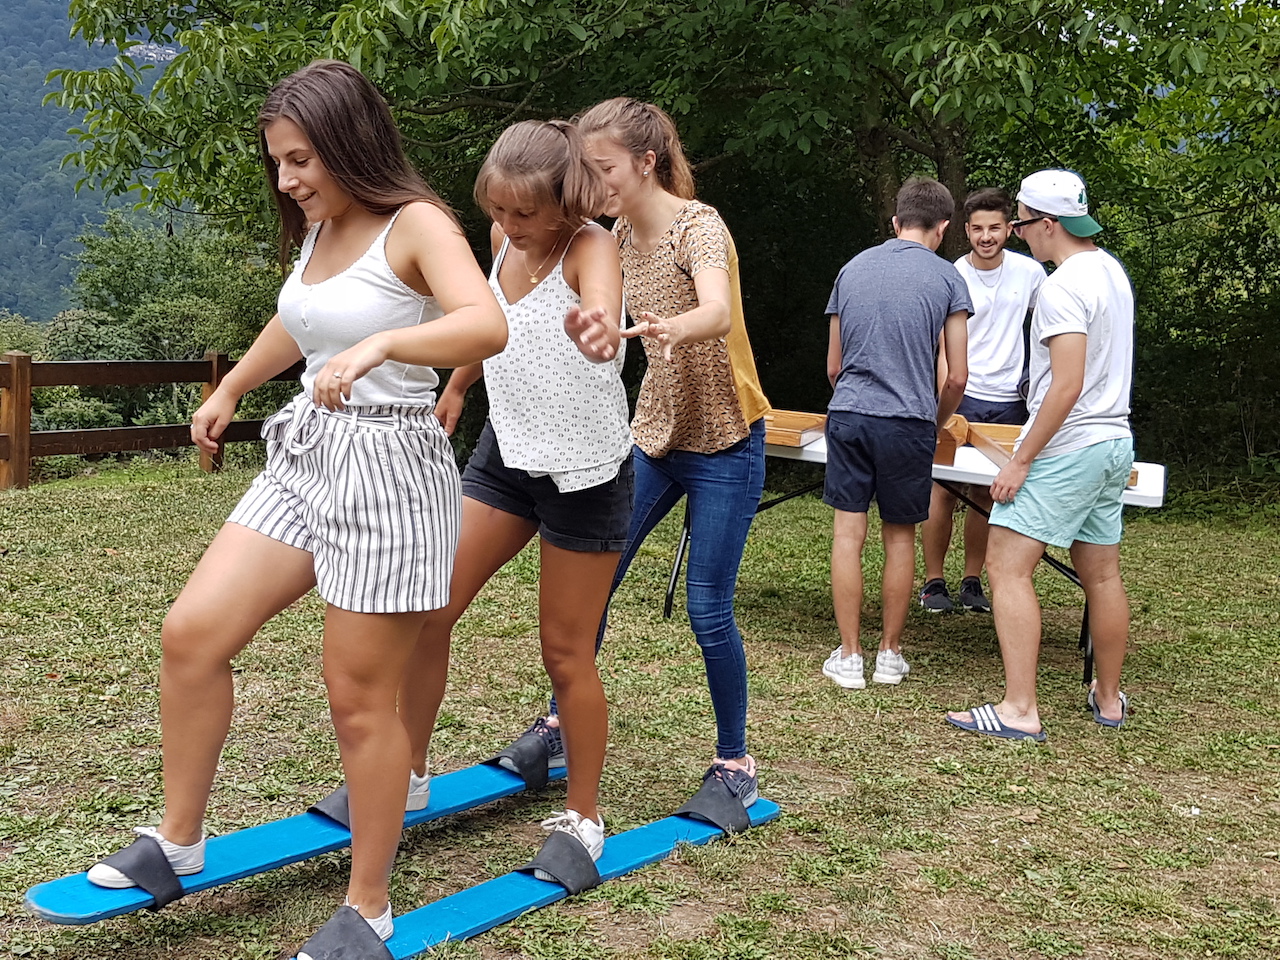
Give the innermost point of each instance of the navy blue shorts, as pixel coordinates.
(992, 411)
(886, 458)
(594, 520)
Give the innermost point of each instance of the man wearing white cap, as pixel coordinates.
(1064, 483)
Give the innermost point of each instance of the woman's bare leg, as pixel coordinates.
(241, 582)
(574, 589)
(489, 538)
(365, 655)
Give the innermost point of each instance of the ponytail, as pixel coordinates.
(640, 127)
(546, 158)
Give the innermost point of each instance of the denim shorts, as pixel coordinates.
(1072, 497)
(992, 411)
(594, 520)
(888, 458)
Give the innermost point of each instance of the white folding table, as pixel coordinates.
(970, 466)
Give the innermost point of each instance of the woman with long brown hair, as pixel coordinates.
(360, 495)
(698, 424)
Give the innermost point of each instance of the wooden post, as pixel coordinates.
(15, 421)
(219, 365)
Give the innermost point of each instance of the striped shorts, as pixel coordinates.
(371, 492)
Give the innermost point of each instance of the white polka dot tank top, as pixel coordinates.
(553, 411)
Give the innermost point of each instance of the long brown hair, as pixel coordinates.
(546, 161)
(354, 136)
(640, 127)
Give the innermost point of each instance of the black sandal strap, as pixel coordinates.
(717, 805)
(334, 806)
(345, 936)
(144, 862)
(529, 755)
(568, 861)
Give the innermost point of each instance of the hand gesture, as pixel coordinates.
(592, 332)
(210, 420)
(336, 379)
(665, 333)
(449, 409)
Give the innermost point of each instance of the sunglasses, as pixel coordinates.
(1017, 225)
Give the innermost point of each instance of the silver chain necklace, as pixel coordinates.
(998, 272)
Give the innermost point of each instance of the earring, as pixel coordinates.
(646, 173)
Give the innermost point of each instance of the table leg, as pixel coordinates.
(770, 504)
(1086, 640)
(675, 567)
(1086, 646)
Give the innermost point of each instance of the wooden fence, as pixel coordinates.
(19, 374)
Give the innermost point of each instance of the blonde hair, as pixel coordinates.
(640, 127)
(546, 160)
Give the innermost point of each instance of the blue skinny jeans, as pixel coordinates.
(724, 490)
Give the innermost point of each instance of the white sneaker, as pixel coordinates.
(382, 926)
(586, 831)
(419, 792)
(184, 860)
(890, 667)
(845, 671)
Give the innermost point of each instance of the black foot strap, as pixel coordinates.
(334, 806)
(345, 936)
(145, 864)
(529, 755)
(567, 860)
(717, 805)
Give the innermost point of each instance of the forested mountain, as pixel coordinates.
(40, 213)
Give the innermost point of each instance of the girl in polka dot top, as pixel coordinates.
(554, 458)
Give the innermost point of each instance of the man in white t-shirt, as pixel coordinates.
(1002, 285)
(1064, 483)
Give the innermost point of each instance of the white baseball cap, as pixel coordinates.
(1062, 194)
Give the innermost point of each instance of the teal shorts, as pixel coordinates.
(1072, 497)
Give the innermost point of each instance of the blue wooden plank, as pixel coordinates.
(486, 905)
(245, 853)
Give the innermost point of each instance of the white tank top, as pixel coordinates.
(328, 317)
(553, 411)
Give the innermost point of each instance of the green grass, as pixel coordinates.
(900, 837)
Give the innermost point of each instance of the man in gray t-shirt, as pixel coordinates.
(888, 308)
(892, 301)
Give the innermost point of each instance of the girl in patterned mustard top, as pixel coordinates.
(698, 425)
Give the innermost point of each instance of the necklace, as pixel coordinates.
(533, 277)
(998, 271)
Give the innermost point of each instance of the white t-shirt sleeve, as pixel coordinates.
(1038, 277)
(1060, 310)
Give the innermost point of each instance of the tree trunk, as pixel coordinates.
(875, 148)
(952, 174)
(883, 179)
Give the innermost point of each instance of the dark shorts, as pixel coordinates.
(992, 411)
(888, 458)
(594, 520)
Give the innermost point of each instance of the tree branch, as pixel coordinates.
(900, 88)
(702, 166)
(912, 142)
(460, 103)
